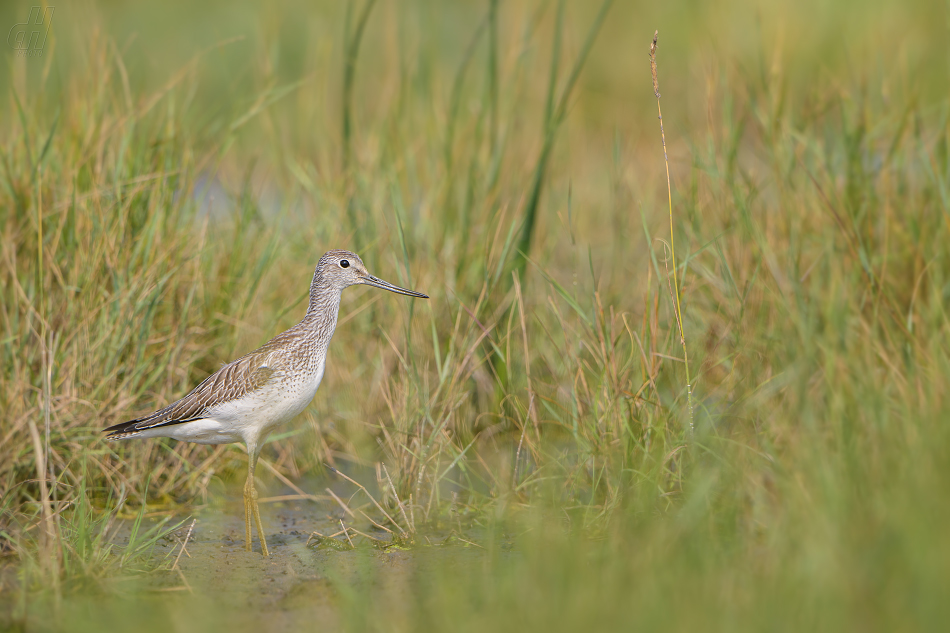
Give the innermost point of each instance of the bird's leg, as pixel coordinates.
(257, 518)
(247, 510)
(250, 503)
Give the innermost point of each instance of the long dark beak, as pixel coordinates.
(369, 280)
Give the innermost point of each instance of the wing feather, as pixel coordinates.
(235, 380)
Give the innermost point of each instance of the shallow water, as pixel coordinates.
(305, 580)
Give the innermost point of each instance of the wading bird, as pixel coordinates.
(248, 398)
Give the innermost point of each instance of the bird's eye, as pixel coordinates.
(344, 263)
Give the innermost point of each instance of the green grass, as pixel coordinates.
(170, 177)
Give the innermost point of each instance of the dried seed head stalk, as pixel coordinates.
(656, 83)
(677, 310)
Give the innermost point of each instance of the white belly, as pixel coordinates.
(248, 419)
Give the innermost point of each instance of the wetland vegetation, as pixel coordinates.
(520, 452)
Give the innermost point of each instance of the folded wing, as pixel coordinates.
(232, 382)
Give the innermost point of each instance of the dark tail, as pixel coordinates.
(122, 431)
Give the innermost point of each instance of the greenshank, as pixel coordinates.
(248, 398)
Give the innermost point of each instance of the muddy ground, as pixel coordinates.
(306, 580)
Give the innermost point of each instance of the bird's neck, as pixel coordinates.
(324, 307)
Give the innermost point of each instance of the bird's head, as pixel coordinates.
(341, 269)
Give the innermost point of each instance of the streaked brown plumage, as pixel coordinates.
(247, 398)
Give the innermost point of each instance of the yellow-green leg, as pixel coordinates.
(250, 504)
(247, 518)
